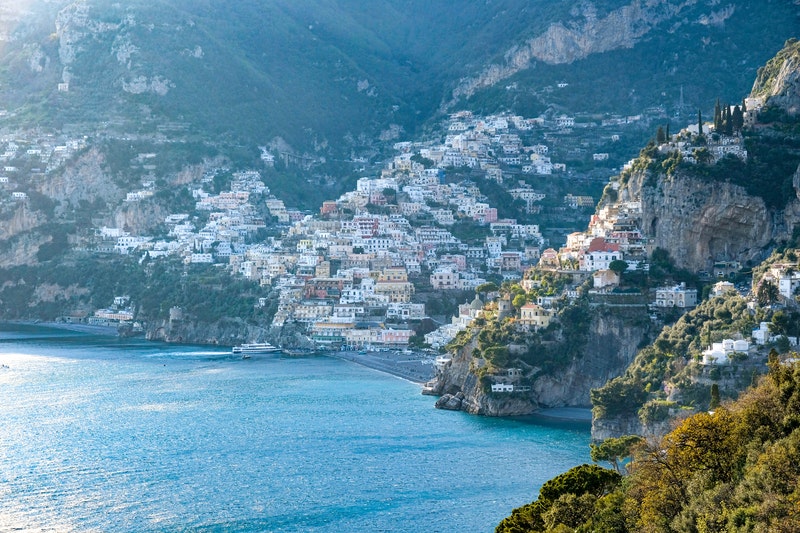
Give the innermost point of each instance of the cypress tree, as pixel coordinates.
(728, 121)
(661, 138)
(699, 122)
(737, 118)
(715, 400)
(717, 117)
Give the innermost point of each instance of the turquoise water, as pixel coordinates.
(98, 434)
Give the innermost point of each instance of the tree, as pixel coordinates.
(615, 450)
(780, 323)
(699, 123)
(702, 156)
(487, 287)
(618, 266)
(767, 293)
(728, 121)
(737, 118)
(390, 195)
(714, 403)
(661, 137)
(519, 300)
(717, 117)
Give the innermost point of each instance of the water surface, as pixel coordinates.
(101, 434)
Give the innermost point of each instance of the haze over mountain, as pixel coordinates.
(335, 76)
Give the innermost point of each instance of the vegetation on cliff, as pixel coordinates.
(734, 469)
(770, 76)
(773, 156)
(666, 375)
(503, 342)
(203, 292)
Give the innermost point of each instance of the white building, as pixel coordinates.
(719, 352)
(677, 296)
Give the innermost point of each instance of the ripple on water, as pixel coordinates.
(102, 437)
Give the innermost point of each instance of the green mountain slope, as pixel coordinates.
(328, 74)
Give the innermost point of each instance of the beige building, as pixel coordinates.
(395, 291)
(534, 315)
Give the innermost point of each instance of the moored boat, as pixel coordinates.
(246, 350)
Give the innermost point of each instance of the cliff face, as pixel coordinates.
(82, 180)
(778, 81)
(586, 34)
(226, 332)
(701, 222)
(613, 342)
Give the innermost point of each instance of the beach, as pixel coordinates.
(412, 366)
(80, 328)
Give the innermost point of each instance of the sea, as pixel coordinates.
(101, 434)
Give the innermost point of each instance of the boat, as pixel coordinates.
(247, 350)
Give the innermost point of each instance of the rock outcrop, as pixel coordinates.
(84, 179)
(700, 222)
(226, 332)
(587, 34)
(778, 81)
(613, 340)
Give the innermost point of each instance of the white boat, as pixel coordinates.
(246, 350)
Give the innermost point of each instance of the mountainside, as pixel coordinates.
(333, 76)
(706, 212)
(779, 80)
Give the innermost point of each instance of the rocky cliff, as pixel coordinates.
(700, 221)
(588, 33)
(228, 331)
(613, 340)
(778, 81)
(225, 332)
(84, 179)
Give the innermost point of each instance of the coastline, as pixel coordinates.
(565, 414)
(109, 331)
(412, 366)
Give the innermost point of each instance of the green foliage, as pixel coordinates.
(735, 470)
(519, 300)
(568, 499)
(715, 400)
(204, 292)
(656, 411)
(666, 360)
(614, 450)
(619, 266)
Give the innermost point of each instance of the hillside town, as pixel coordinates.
(351, 275)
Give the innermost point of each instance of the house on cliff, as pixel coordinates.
(535, 316)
